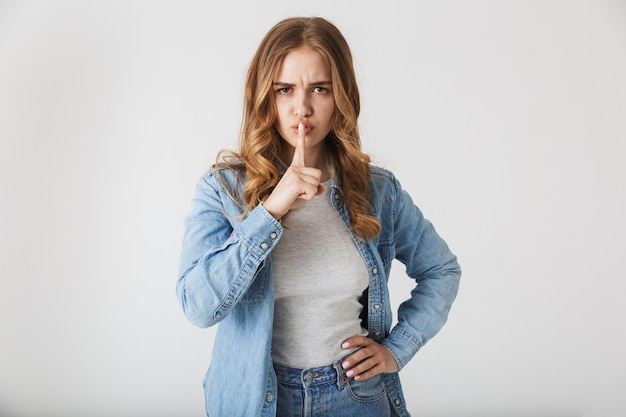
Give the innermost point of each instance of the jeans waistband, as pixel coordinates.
(307, 378)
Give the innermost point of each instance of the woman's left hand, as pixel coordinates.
(372, 359)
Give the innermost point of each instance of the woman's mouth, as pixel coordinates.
(307, 128)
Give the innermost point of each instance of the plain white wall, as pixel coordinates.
(504, 119)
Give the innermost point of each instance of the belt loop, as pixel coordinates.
(342, 379)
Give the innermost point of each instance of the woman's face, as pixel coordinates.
(303, 93)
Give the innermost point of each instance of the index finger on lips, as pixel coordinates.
(298, 155)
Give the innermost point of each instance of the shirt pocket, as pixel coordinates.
(386, 252)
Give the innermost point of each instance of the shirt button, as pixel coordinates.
(337, 196)
(376, 306)
(270, 398)
(264, 246)
(375, 270)
(398, 402)
(273, 235)
(376, 334)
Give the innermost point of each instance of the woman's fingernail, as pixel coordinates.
(345, 345)
(345, 365)
(350, 373)
(300, 127)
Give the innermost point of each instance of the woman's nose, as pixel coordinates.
(302, 105)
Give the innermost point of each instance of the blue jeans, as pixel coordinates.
(327, 391)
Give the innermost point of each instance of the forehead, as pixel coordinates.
(303, 62)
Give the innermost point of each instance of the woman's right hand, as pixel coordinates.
(299, 183)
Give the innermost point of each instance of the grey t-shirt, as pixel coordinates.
(319, 276)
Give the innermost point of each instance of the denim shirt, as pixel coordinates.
(225, 277)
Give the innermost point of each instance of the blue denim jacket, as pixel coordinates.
(225, 277)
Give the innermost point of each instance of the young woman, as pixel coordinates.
(289, 245)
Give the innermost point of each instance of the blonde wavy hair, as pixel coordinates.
(261, 158)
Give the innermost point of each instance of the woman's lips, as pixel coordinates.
(307, 128)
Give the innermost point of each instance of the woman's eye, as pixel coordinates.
(284, 90)
(320, 90)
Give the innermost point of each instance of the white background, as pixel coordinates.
(504, 119)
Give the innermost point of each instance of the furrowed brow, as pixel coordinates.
(282, 84)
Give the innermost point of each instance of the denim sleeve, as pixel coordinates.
(436, 271)
(220, 255)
